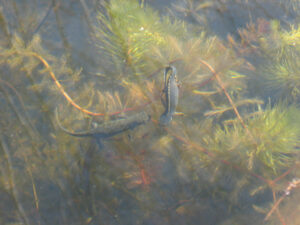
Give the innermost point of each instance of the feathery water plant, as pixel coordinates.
(276, 135)
(279, 50)
(282, 71)
(221, 143)
(131, 31)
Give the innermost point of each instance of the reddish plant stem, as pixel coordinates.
(218, 79)
(294, 184)
(283, 175)
(275, 208)
(71, 101)
(144, 176)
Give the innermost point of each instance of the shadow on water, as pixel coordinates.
(226, 150)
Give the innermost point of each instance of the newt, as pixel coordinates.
(110, 128)
(100, 131)
(171, 93)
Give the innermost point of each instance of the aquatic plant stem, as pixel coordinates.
(50, 7)
(60, 87)
(87, 15)
(218, 79)
(36, 199)
(70, 100)
(275, 208)
(13, 186)
(294, 184)
(33, 135)
(24, 121)
(4, 25)
(143, 173)
(66, 43)
(282, 175)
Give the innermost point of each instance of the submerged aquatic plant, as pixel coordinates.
(274, 144)
(282, 49)
(279, 50)
(130, 33)
(226, 149)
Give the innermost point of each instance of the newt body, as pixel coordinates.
(171, 92)
(110, 128)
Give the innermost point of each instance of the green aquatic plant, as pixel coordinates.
(130, 32)
(282, 49)
(226, 148)
(273, 146)
(279, 50)
(191, 8)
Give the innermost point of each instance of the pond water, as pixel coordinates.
(84, 84)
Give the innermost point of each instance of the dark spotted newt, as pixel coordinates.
(171, 93)
(110, 128)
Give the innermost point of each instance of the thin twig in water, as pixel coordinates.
(51, 5)
(13, 186)
(87, 15)
(20, 116)
(36, 199)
